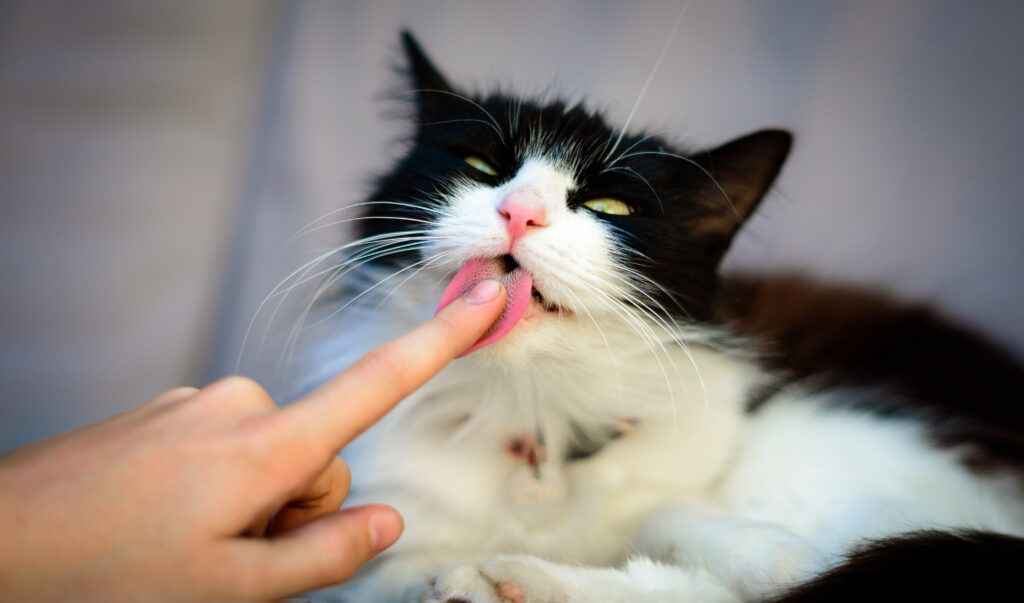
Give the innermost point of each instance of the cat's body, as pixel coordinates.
(645, 431)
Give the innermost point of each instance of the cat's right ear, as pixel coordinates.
(434, 95)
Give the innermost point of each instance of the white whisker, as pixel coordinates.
(691, 162)
(494, 122)
(650, 78)
(302, 231)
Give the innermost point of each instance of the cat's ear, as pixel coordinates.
(742, 171)
(432, 91)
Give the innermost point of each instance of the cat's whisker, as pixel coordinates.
(364, 218)
(304, 230)
(631, 319)
(633, 172)
(645, 279)
(370, 246)
(432, 261)
(674, 338)
(301, 270)
(455, 121)
(650, 78)
(364, 256)
(381, 282)
(494, 122)
(653, 343)
(339, 270)
(673, 329)
(641, 141)
(611, 355)
(704, 170)
(372, 243)
(296, 330)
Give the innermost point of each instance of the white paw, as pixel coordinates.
(510, 579)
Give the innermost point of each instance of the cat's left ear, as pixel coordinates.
(742, 172)
(434, 95)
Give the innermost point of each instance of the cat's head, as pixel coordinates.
(602, 227)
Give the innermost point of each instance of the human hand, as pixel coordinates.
(216, 494)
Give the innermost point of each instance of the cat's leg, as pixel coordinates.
(529, 579)
(755, 559)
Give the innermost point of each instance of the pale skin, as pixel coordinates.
(216, 494)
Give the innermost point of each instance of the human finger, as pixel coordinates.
(357, 398)
(321, 496)
(325, 551)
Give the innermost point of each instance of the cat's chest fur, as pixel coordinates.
(443, 458)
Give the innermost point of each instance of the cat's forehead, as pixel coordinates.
(544, 173)
(568, 134)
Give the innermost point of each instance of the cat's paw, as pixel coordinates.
(508, 579)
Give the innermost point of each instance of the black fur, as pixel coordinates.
(966, 390)
(923, 566)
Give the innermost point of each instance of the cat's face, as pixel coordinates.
(587, 227)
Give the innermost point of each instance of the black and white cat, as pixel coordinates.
(634, 427)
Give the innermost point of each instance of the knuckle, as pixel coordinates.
(246, 391)
(178, 393)
(241, 384)
(172, 396)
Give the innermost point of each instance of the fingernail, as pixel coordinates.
(385, 528)
(484, 292)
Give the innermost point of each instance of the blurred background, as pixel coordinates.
(157, 157)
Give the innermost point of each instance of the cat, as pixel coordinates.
(636, 427)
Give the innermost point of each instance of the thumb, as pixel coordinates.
(325, 551)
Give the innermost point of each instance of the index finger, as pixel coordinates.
(357, 398)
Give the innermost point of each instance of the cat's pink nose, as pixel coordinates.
(522, 212)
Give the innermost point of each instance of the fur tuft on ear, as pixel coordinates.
(432, 91)
(743, 170)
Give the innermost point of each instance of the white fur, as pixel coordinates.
(700, 501)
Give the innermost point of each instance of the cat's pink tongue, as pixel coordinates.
(518, 283)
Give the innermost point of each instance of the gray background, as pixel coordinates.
(156, 157)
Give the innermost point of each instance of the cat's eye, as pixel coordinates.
(481, 165)
(607, 205)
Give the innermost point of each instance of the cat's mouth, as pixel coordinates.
(523, 303)
(508, 265)
(548, 306)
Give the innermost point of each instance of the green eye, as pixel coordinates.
(607, 205)
(481, 165)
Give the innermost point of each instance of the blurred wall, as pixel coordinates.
(155, 158)
(124, 127)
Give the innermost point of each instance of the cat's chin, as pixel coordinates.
(534, 332)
